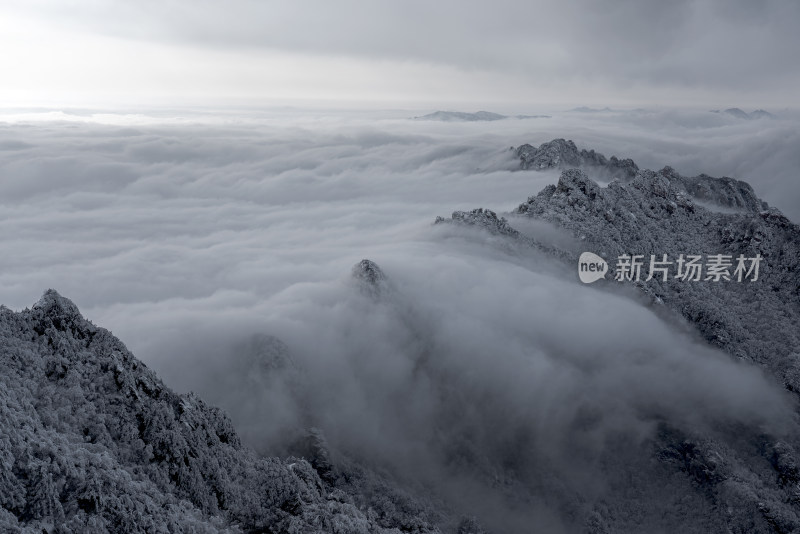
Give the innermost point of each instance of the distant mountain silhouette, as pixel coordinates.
(461, 116)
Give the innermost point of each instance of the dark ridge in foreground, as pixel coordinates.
(92, 441)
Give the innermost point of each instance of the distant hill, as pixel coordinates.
(584, 109)
(741, 114)
(761, 114)
(461, 116)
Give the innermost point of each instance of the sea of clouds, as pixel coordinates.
(190, 235)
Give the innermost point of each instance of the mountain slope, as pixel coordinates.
(654, 213)
(731, 468)
(561, 436)
(93, 441)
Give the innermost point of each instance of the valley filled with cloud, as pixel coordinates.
(201, 239)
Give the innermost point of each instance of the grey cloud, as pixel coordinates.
(156, 199)
(479, 359)
(740, 47)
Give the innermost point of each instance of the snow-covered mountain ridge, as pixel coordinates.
(91, 440)
(661, 212)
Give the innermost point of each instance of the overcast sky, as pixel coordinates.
(522, 54)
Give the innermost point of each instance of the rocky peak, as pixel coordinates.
(725, 192)
(369, 277)
(575, 180)
(564, 153)
(555, 153)
(483, 218)
(61, 311)
(369, 272)
(54, 305)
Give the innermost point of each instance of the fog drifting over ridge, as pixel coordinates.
(217, 212)
(186, 237)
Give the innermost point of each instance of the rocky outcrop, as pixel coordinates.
(723, 192)
(486, 219)
(562, 153)
(369, 278)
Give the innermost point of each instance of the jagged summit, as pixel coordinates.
(54, 305)
(482, 218)
(551, 154)
(725, 192)
(370, 278)
(576, 179)
(368, 272)
(563, 153)
(560, 153)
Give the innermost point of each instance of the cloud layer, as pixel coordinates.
(194, 238)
